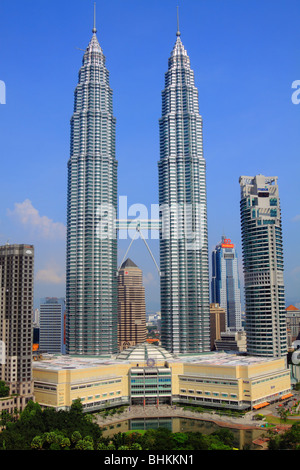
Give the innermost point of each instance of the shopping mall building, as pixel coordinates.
(147, 374)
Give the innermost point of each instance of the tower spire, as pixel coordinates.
(94, 28)
(178, 32)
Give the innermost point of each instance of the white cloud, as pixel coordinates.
(41, 226)
(50, 275)
(295, 271)
(296, 218)
(148, 279)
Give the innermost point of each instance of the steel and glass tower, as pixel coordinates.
(91, 292)
(263, 266)
(225, 283)
(184, 264)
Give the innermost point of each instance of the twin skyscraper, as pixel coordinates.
(91, 292)
(92, 269)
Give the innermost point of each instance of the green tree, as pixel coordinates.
(180, 439)
(65, 443)
(119, 439)
(5, 418)
(290, 440)
(101, 446)
(51, 437)
(37, 442)
(84, 444)
(283, 413)
(136, 446)
(76, 436)
(4, 389)
(60, 425)
(76, 407)
(225, 436)
(217, 445)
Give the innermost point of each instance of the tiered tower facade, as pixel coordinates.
(91, 292)
(182, 197)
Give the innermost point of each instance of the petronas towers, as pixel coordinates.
(182, 198)
(91, 294)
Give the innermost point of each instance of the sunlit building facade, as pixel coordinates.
(132, 328)
(91, 281)
(263, 266)
(16, 308)
(184, 268)
(149, 375)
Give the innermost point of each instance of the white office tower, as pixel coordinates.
(263, 266)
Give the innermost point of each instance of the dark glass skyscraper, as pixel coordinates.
(91, 293)
(225, 284)
(185, 315)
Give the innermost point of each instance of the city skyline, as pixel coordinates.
(246, 105)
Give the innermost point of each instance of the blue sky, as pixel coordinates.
(245, 55)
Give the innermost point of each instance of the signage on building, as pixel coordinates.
(227, 243)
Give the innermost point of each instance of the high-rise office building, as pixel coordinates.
(263, 266)
(91, 281)
(17, 269)
(217, 323)
(52, 325)
(183, 210)
(131, 306)
(293, 324)
(225, 284)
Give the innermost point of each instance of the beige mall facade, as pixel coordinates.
(147, 374)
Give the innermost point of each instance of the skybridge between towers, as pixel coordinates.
(139, 225)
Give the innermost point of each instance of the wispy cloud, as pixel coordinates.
(296, 218)
(41, 226)
(295, 271)
(51, 274)
(148, 279)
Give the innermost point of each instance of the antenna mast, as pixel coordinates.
(94, 28)
(178, 32)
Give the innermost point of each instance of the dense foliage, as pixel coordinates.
(290, 440)
(33, 422)
(164, 440)
(4, 389)
(48, 429)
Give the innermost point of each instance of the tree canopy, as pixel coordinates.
(4, 389)
(35, 422)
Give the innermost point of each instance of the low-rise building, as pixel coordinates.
(148, 374)
(232, 341)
